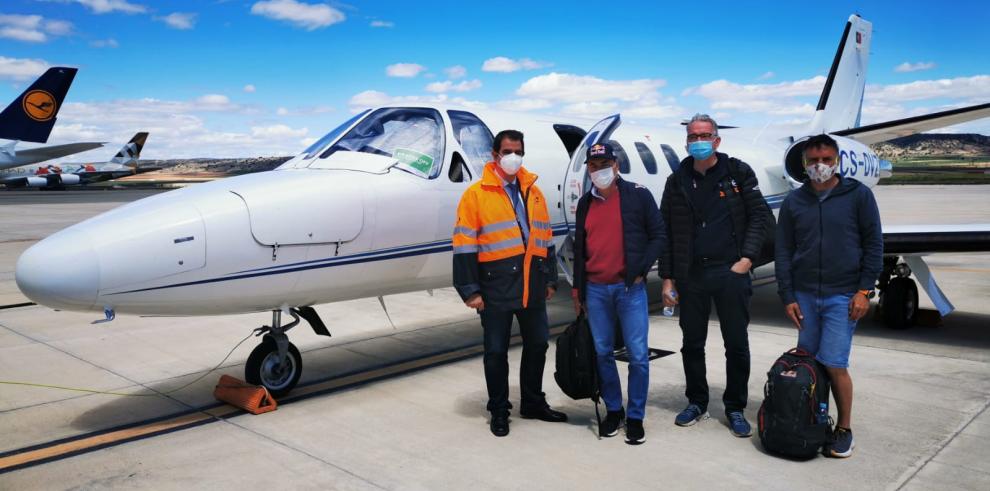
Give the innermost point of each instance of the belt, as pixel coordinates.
(710, 261)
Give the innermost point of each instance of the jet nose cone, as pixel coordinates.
(61, 271)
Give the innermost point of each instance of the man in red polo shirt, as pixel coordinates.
(619, 237)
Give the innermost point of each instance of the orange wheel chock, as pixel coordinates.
(251, 398)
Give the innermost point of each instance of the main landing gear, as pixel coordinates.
(898, 294)
(276, 363)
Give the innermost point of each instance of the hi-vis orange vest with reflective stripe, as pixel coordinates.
(486, 222)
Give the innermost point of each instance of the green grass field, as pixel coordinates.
(955, 168)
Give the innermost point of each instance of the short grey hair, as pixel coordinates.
(704, 118)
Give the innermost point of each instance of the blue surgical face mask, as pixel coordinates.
(700, 150)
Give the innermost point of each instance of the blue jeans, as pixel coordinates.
(826, 330)
(606, 305)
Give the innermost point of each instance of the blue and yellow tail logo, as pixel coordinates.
(39, 105)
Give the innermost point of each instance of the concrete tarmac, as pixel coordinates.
(397, 401)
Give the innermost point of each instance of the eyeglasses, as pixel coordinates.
(510, 152)
(693, 137)
(819, 160)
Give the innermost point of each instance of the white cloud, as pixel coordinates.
(32, 28)
(977, 87)
(178, 129)
(450, 86)
(767, 76)
(783, 98)
(249, 88)
(179, 20)
(281, 111)
(523, 104)
(456, 71)
(21, 68)
(309, 16)
(277, 131)
(104, 43)
(590, 109)
(382, 23)
(108, 6)
(565, 87)
(374, 98)
(914, 67)
(507, 65)
(404, 70)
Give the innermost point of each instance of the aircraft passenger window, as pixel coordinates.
(474, 136)
(672, 159)
(620, 155)
(413, 136)
(649, 161)
(330, 137)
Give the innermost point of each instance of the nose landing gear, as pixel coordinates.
(276, 363)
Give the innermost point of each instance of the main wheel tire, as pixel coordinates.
(900, 303)
(263, 368)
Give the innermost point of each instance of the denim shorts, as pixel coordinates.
(826, 330)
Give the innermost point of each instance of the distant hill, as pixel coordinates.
(934, 145)
(223, 166)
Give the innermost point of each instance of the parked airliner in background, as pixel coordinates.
(31, 118)
(51, 176)
(368, 210)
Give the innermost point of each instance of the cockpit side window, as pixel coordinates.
(474, 137)
(413, 136)
(330, 137)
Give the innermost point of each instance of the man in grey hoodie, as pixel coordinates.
(829, 254)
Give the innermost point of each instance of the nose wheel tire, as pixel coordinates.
(265, 368)
(900, 303)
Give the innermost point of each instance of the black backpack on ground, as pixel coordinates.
(793, 419)
(577, 366)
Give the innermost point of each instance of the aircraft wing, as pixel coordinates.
(881, 132)
(41, 154)
(916, 240)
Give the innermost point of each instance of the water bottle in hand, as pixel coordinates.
(669, 311)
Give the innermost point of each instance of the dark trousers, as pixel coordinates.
(535, 332)
(731, 293)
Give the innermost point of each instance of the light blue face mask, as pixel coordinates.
(700, 150)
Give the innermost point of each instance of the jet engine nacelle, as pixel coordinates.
(856, 161)
(53, 180)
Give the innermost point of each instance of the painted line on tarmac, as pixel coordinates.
(90, 442)
(17, 305)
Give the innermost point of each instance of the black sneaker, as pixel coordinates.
(613, 420)
(635, 435)
(842, 443)
(499, 424)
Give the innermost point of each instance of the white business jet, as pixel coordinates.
(368, 210)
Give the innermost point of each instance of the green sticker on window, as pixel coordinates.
(416, 160)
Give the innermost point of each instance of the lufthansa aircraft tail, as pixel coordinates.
(841, 103)
(131, 152)
(32, 115)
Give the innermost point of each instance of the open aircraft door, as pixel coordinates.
(576, 181)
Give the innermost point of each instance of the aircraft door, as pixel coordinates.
(576, 180)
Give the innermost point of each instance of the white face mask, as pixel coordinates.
(510, 164)
(820, 173)
(603, 178)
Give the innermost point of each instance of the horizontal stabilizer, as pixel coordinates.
(881, 132)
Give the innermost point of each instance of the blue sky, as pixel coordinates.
(246, 78)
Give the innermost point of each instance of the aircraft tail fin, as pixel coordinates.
(31, 116)
(841, 103)
(131, 152)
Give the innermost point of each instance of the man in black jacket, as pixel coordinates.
(618, 238)
(716, 220)
(829, 256)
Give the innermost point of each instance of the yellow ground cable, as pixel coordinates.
(91, 391)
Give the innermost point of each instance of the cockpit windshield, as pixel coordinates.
(413, 136)
(329, 137)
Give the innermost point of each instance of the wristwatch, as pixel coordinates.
(867, 293)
